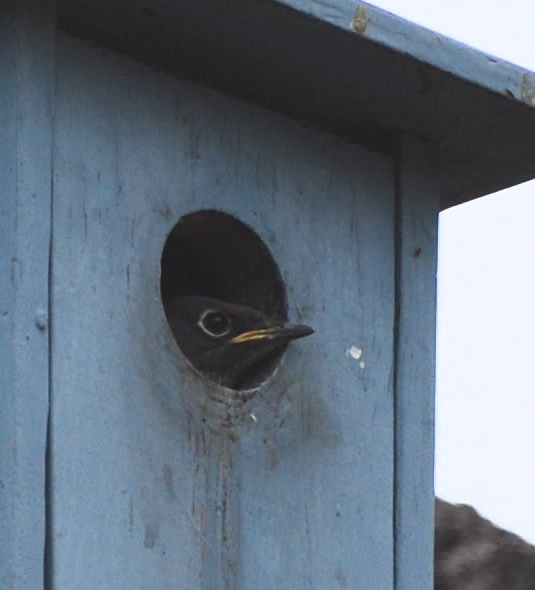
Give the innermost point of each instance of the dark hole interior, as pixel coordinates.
(212, 254)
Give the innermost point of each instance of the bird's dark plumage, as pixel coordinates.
(225, 341)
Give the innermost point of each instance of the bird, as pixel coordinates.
(227, 342)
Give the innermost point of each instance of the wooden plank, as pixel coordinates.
(417, 228)
(342, 64)
(145, 496)
(426, 46)
(317, 474)
(26, 85)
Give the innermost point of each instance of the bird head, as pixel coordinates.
(224, 341)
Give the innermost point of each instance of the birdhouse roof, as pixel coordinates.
(342, 65)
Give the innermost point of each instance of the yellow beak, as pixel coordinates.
(276, 332)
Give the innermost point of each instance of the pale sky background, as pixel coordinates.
(485, 439)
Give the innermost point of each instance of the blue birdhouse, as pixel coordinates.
(187, 188)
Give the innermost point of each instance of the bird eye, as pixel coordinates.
(214, 323)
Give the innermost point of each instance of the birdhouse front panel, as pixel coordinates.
(219, 318)
(161, 477)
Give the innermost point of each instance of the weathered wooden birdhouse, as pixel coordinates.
(290, 157)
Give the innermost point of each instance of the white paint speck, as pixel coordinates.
(362, 364)
(354, 352)
(253, 417)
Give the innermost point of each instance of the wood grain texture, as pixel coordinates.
(144, 496)
(342, 64)
(26, 85)
(416, 247)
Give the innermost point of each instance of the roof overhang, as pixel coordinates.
(343, 65)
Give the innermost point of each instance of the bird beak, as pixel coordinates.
(283, 333)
